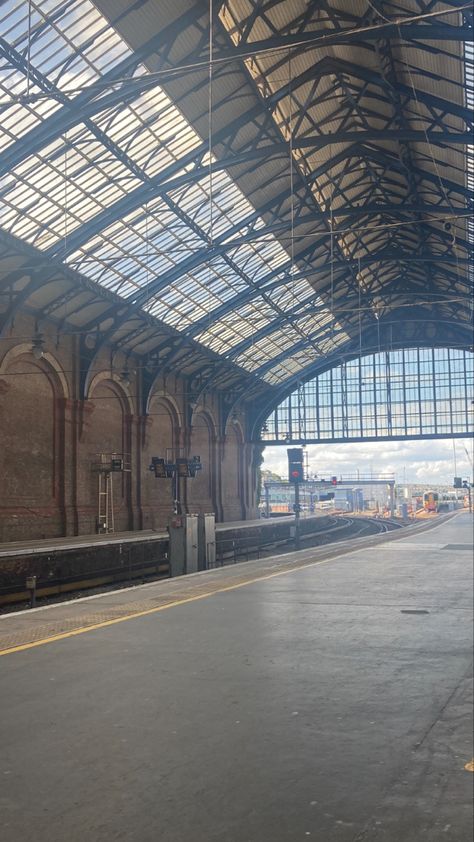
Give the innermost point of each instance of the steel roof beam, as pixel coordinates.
(268, 283)
(284, 355)
(333, 66)
(85, 104)
(459, 337)
(387, 159)
(162, 185)
(435, 137)
(291, 316)
(325, 38)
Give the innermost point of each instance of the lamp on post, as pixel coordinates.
(180, 468)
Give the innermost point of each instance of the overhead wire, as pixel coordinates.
(210, 153)
(428, 142)
(28, 51)
(293, 238)
(292, 186)
(318, 40)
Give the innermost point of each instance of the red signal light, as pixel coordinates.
(334, 480)
(295, 465)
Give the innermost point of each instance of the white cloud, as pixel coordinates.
(428, 461)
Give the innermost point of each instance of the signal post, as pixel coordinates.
(296, 476)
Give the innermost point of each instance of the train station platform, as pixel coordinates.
(321, 695)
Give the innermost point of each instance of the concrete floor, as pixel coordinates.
(305, 706)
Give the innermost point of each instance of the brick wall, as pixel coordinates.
(50, 438)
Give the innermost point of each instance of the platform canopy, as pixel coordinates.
(246, 191)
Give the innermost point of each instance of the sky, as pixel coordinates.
(428, 461)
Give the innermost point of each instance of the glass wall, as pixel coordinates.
(411, 392)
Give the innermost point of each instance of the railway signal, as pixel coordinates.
(296, 476)
(295, 465)
(179, 468)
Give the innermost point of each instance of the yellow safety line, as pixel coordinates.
(84, 629)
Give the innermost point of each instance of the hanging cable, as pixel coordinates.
(292, 197)
(331, 246)
(210, 172)
(147, 261)
(319, 40)
(359, 310)
(65, 196)
(379, 13)
(211, 53)
(28, 52)
(428, 142)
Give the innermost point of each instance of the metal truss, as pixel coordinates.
(375, 216)
(412, 393)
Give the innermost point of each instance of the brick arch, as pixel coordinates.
(232, 473)
(32, 403)
(167, 400)
(163, 425)
(48, 363)
(106, 428)
(116, 384)
(201, 490)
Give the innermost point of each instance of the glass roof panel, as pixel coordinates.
(62, 187)
(132, 253)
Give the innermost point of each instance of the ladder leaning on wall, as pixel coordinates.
(105, 516)
(106, 466)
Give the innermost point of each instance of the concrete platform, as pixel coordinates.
(49, 545)
(322, 695)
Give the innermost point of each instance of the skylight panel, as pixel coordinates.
(61, 192)
(291, 366)
(150, 130)
(267, 348)
(205, 289)
(146, 255)
(234, 328)
(140, 249)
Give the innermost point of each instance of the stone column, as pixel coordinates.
(68, 464)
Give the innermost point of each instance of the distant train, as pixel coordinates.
(431, 501)
(447, 501)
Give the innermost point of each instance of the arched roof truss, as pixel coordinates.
(305, 201)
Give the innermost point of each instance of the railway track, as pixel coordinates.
(245, 549)
(350, 527)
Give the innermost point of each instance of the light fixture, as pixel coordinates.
(37, 347)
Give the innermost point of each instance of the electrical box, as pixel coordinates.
(183, 544)
(207, 541)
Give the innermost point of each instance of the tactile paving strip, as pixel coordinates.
(31, 627)
(63, 618)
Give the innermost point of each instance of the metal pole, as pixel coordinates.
(392, 502)
(468, 487)
(176, 489)
(297, 516)
(267, 500)
(31, 587)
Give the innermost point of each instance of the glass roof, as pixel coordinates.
(63, 186)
